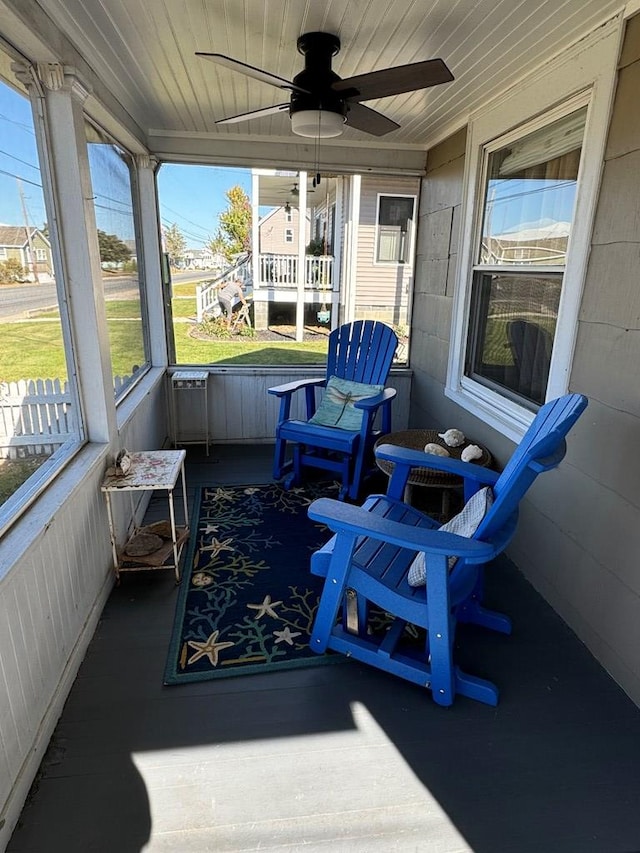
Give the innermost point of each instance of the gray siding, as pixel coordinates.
(585, 561)
(380, 286)
(272, 233)
(579, 534)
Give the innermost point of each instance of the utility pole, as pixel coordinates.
(32, 255)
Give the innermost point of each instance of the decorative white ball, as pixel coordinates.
(470, 453)
(436, 450)
(452, 437)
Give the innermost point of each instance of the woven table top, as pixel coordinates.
(415, 439)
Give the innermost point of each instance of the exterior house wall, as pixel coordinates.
(382, 290)
(272, 232)
(17, 248)
(579, 531)
(584, 561)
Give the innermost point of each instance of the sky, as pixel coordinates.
(190, 196)
(193, 197)
(18, 162)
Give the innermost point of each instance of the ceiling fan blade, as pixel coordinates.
(394, 81)
(266, 111)
(251, 71)
(364, 118)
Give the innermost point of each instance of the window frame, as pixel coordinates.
(22, 499)
(412, 232)
(122, 391)
(563, 86)
(288, 235)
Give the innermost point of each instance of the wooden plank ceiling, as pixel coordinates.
(145, 53)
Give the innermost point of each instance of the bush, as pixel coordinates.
(12, 271)
(214, 327)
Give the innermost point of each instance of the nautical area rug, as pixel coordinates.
(247, 599)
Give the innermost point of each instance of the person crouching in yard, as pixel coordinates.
(226, 298)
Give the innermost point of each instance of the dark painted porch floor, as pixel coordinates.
(336, 758)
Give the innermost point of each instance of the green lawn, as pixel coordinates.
(33, 349)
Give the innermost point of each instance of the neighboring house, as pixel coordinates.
(204, 259)
(370, 275)
(278, 231)
(29, 247)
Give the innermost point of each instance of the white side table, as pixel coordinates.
(151, 470)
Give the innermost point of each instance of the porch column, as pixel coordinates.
(260, 308)
(58, 98)
(160, 337)
(338, 252)
(302, 246)
(350, 261)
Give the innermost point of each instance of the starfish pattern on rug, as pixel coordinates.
(246, 583)
(209, 648)
(266, 608)
(216, 546)
(286, 636)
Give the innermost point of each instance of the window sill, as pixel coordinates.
(503, 415)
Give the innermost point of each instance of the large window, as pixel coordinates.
(39, 423)
(395, 229)
(531, 179)
(112, 179)
(527, 212)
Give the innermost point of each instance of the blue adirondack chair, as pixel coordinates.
(359, 354)
(375, 547)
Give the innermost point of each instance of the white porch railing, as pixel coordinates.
(282, 271)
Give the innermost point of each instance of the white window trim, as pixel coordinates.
(585, 73)
(412, 237)
(288, 235)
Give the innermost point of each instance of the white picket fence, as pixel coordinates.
(36, 416)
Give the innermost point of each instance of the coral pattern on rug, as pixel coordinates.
(247, 599)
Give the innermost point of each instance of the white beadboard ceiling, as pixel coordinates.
(144, 52)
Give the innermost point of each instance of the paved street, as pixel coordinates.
(20, 301)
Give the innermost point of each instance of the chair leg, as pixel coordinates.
(356, 477)
(441, 631)
(332, 594)
(279, 464)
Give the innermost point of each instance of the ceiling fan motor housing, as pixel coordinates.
(317, 76)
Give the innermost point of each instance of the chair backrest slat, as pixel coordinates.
(541, 449)
(362, 351)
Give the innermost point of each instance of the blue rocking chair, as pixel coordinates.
(339, 434)
(391, 555)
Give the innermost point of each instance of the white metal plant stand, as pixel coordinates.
(150, 470)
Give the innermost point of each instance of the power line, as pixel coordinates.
(175, 212)
(195, 237)
(26, 180)
(18, 124)
(13, 157)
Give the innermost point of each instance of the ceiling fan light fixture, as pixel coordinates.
(317, 124)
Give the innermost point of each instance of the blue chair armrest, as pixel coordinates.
(373, 402)
(340, 517)
(291, 387)
(419, 459)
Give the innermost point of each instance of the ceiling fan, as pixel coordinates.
(295, 191)
(321, 103)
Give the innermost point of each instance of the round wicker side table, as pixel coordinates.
(415, 439)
